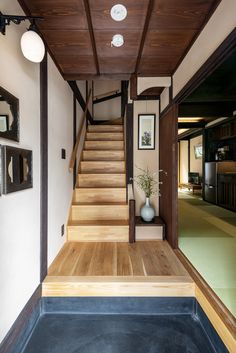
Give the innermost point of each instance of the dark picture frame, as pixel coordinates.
(12, 133)
(5, 119)
(146, 131)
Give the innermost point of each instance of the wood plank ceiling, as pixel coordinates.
(157, 34)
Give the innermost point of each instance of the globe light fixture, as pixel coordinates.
(118, 12)
(117, 40)
(32, 45)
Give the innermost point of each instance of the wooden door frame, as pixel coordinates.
(225, 49)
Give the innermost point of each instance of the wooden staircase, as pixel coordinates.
(99, 210)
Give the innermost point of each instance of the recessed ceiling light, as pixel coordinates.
(117, 40)
(118, 12)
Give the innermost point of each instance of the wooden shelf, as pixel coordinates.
(158, 221)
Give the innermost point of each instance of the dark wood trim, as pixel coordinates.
(73, 85)
(190, 134)
(189, 159)
(124, 96)
(91, 33)
(92, 100)
(43, 168)
(102, 77)
(212, 63)
(133, 87)
(74, 137)
(207, 18)
(144, 34)
(131, 221)
(129, 143)
(225, 315)
(21, 329)
(107, 98)
(142, 97)
(194, 125)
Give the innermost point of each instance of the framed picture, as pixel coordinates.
(146, 131)
(4, 122)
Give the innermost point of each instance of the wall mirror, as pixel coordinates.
(9, 115)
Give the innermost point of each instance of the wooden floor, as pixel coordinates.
(143, 268)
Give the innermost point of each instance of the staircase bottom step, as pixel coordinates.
(103, 232)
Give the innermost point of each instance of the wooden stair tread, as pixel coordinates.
(99, 203)
(98, 223)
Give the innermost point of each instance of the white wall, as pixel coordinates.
(19, 212)
(148, 158)
(183, 162)
(216, 30)
(110, 109)
(60, 135)
(195, 164)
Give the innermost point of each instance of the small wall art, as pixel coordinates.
(16, 169)
(146, 131)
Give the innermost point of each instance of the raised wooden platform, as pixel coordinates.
(117, 269)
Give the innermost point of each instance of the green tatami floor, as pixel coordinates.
(207, 236)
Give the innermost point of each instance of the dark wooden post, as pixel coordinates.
(131, 221)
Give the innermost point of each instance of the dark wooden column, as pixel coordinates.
(43, 168)
(129, 142)
(169, 163)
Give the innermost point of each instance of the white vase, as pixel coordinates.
(147, 211)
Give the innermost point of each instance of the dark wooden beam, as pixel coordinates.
(206, 109)
(124, 96)
(133, 87)
(193, 125)
(144, 34)
(80, 99)
(131, 221)
(107, 98)
(43, 168)
(212, 63)
(129, 143)
(142, 97)
(91, 33)
(102, 77)
(187, 135)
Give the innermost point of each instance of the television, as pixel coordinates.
(198, 151)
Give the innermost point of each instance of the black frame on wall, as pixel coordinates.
(12, 132)
(154, 131)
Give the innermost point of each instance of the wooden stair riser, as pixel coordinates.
(104, 145)
(99, 212)
(98, 233)
(101, 195)
(105, 128)
(101, 180)
(108, 136)
(94, 155)
(102, 167)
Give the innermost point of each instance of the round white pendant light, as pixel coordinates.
(118, 12)
(32, 46)
(117, 40)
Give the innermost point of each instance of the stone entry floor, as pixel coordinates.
(76, 333)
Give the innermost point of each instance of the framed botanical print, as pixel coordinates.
(146, 131)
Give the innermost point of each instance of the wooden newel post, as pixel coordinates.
(131, 221)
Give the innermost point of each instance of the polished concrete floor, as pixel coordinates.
(207, 236)
(72, 333)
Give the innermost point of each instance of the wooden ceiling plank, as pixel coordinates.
(91, 32)
(145, 29)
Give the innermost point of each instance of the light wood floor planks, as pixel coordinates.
(154, 258)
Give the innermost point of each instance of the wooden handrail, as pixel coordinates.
(105, 94)
(75, 149)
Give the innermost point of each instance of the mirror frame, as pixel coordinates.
(13, 133)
